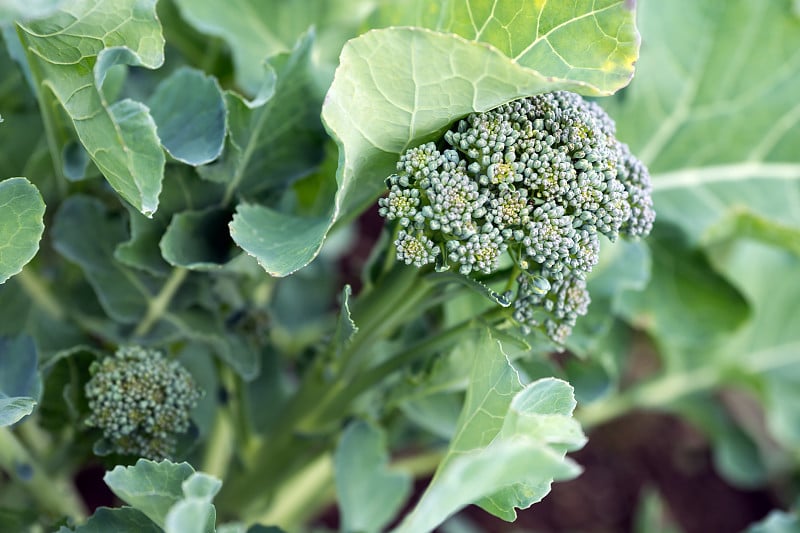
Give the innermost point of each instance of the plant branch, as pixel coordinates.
(158, 305)
(656, 394)
(55, 495)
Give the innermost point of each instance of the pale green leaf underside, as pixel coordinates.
(539, 34)
(194, 513)
(21, 225)
(70, 53)
(508, 447)
(281, 243)
(189, 111)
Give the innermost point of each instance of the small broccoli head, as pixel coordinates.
(140, 401)
(539, 178)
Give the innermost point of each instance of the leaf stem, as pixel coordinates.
(303, 495)
(656, 394)
(46, 111)
(40, 294)
(158, 305)
(55, 495)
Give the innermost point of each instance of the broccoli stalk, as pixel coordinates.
(540, 178)
(141, 401)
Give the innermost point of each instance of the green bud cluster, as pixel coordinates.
(141, 401)
(540, 178)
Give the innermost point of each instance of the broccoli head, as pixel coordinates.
(539, 179)
(141, 401)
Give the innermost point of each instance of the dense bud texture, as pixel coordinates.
(141, 401)
(540, 178)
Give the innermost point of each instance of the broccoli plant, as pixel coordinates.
(378, 265)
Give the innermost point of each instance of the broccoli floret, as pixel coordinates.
(140, 401)
(540, 178)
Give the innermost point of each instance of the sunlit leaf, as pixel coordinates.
(21, 225)
(70, 53)
(152, 488)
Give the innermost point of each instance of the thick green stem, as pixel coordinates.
(48, 112)
(657, 394)
(220, 445)
(306, 493)
(40, 294)
(55, 495)
(158, 305)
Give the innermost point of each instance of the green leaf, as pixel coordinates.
(120, 520)
(539, 35)
(21, 225)
(768, 348)
(281, 243)
(716, 140)
(714, 113)
(20, 382)
(687, 306)
(369, 493)
(70, 53)
(198, 240)
(122, 293)
(152, 488)
(276, 138)
(509, 445)
(189, 110)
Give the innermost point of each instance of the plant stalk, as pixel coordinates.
(55, 495)
(656, 394)
(158, 305)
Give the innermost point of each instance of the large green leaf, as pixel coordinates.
(509, 445)
(21, 225)
(69, 54)
(714, 112)
(540, 35)
(189, 111)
